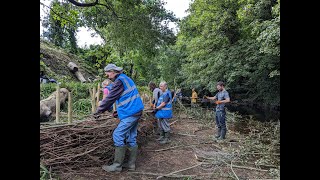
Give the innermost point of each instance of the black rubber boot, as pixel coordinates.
(218, 133)
(131, 164)
(223, 135)
(166, 138)
(161, 136)
(119, 154)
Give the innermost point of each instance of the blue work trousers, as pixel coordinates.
(126, 132)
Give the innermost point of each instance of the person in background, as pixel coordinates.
(107, 85)
(106, 88)
(179, 94)
(164, 113)
(156, 93)
(194, 98)
(221, 98)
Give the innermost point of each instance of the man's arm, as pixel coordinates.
(165, 101)
(211, 98)
(113, 95)
(226, 98)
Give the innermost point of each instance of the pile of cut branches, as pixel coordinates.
(86, 143)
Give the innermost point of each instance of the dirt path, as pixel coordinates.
(191, 144)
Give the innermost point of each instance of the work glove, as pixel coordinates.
(155, 110)
(218, 102)
(96, 115)
(115, 114)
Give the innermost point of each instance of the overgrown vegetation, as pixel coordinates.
(81, 99)
(236, 41)
(258, 143)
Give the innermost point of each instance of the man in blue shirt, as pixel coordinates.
(221, 98)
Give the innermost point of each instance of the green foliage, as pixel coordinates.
(81, 99)
(82, 106)
(62, 23)
(144, 90)
(79, 90)
(236, 41)
(44, 173)
(96, 55)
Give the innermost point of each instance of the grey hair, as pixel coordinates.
(163, 83)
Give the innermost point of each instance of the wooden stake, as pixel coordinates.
(94, 98)
(98, 95)
(93, 104)
(58, 104)
(69, 108)
(114, 107)
(142, 98)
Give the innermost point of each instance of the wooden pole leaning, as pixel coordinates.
(98, 95)
(69, 108)
(58, 104)
(94, 99)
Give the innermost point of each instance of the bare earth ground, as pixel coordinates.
(190, 142)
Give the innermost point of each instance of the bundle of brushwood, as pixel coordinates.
(86, 143)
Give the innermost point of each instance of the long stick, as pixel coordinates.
(173, 122)
(93, 99)
(250, 168)
(57, 104)
(69, 108)
(233, 171)
(180, 170)
(185, 134)
(157, 174)
(114, 107)
(98, 95)
(157, 150)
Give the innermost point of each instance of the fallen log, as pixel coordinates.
(75, 70)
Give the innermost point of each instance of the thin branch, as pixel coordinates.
(250, 168)
(180, 170)
(185, 134)
(233, 171)
(173, 147)
(156, 174)
(56, 13)
(108, 6)
(254, 153)
(173, 122)
(84, 4)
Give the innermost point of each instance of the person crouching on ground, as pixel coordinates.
(164, 113)
(129, 109)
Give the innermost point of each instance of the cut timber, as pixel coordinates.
(75, 70)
